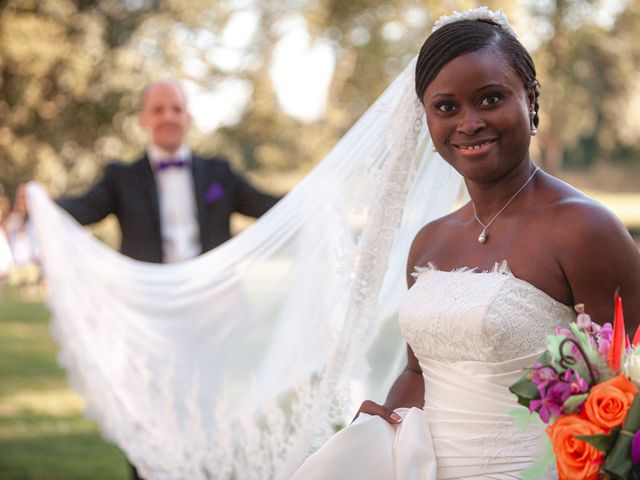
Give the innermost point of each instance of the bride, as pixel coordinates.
(241, 362)
(487, 282)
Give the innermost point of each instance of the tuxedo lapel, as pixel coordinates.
(200, 187)
(150, 190)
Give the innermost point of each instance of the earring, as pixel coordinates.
(434, 149)
(534, 130)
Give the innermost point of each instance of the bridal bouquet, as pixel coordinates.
(585, 388)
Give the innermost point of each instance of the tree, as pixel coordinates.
(71, 74)
(587, 67)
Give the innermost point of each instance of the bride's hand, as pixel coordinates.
(372, 408)
(20, 201)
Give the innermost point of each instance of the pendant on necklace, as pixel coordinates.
(483, 236)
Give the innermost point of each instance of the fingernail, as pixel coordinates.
(396, 418)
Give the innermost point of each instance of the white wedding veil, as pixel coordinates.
(240, 362)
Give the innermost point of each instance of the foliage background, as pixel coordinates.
(71, 74)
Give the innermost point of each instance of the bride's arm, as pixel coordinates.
(407, 391)
(597, 256)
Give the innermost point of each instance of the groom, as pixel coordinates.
(171, 204)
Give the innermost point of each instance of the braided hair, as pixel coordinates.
(467, 36)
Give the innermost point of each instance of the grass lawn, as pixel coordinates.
(43, 434)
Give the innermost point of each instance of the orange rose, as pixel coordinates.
(576, 459)
(608, 402)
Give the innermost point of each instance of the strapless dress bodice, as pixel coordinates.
(489, 316)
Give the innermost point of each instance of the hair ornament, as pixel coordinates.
(481, 13)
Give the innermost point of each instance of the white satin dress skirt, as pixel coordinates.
(474, 334)
(390, 451)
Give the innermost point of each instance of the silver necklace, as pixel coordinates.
(484, 235)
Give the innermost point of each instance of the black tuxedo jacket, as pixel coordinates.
(129, 192)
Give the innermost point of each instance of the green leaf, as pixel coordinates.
(539, 470)
(618, 462)
(525, 390)
(602, 442)
(591, 353)
(580, 335)
(521, 417)
(572, 403)
(545, 359)
(553, 349)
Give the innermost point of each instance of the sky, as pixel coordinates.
(302, 70)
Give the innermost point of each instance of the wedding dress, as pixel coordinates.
(473, 334)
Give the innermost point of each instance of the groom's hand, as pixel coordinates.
(372, 408)
(20, 200)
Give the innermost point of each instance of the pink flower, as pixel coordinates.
(635, 448)
(543, 376)
(576, 383)
(586, 325)
(604, 342)
(551, 401)
(564, 332)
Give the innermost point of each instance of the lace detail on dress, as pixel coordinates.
(504, 442)
(499, 267)
(485, 316)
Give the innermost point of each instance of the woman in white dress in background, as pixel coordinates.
(487, 282)
(6, 258)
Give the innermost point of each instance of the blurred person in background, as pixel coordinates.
(6, 258)
(171, 204)
(24, 271)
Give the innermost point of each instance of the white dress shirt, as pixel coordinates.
(179, 226)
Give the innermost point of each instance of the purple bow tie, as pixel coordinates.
(170, 163)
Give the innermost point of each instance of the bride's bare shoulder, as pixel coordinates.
(565, 207)
(593, 249)
(433, 234)
(436, 228)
